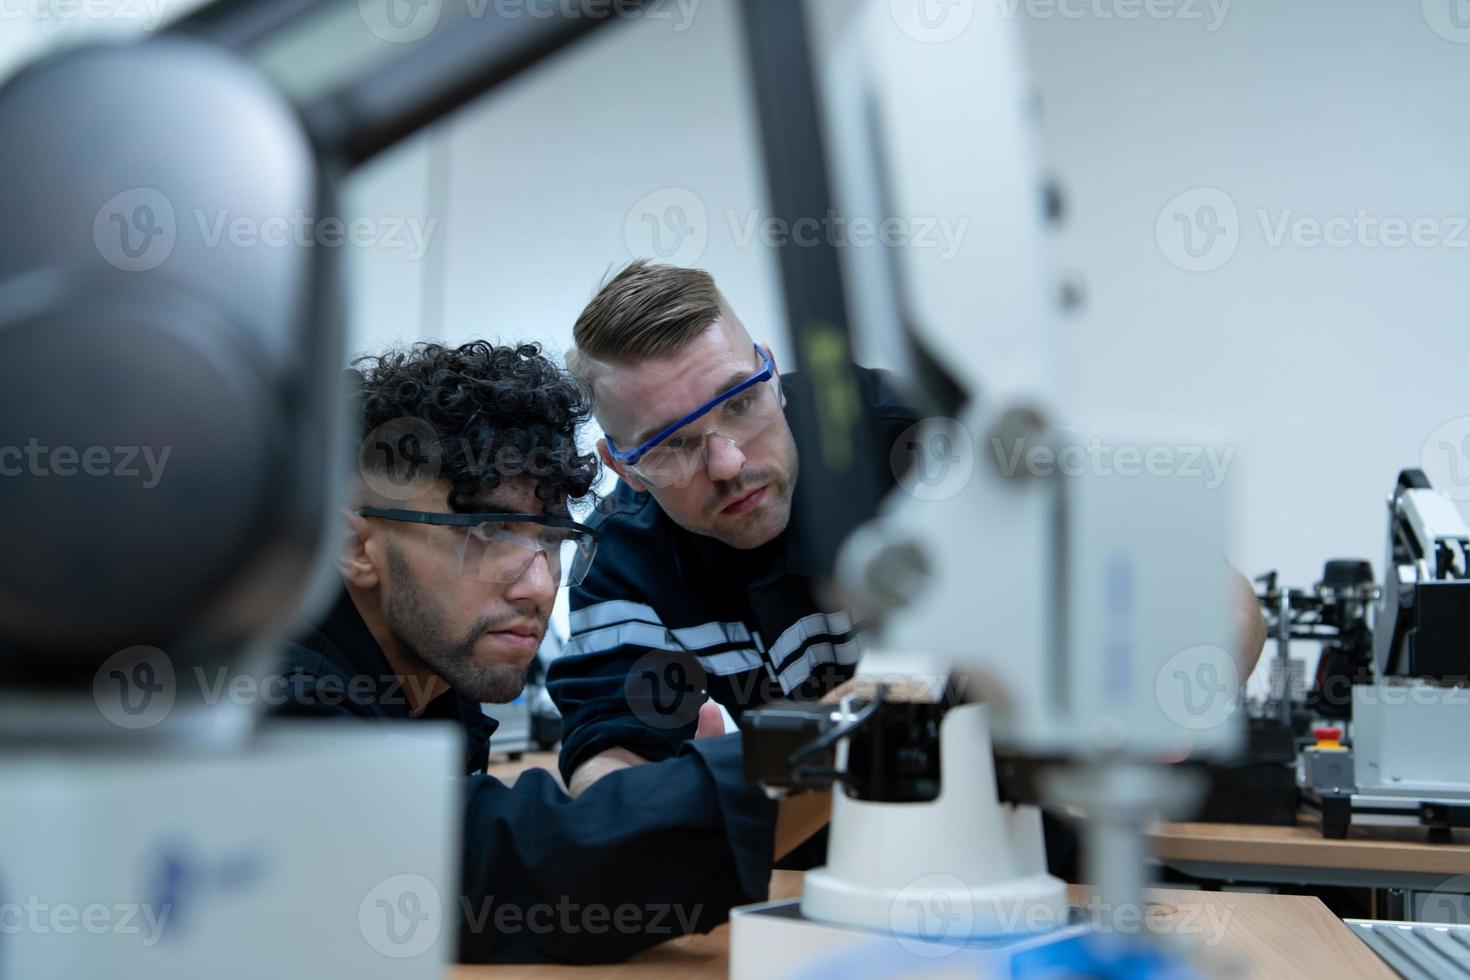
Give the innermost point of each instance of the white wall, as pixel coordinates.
(29, 28)
(1331, 367)
(548, 182)
(542, 188)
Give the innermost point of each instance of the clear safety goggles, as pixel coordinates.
(500, 547)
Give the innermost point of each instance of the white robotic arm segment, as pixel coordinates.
(956, 140)
(1080, 587)
(1440, 530)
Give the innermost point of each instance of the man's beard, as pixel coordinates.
(728, 491)
(780, 485)
(416, 622)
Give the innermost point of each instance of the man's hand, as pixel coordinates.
(1250, 625)
(840, 691)
(604, 762)
(711, 723)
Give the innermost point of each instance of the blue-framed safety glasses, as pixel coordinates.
(675, 454)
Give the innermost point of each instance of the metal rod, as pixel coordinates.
(381, 89)
(1283, 656)
(238, 24)
(839, 468)
(471, 51)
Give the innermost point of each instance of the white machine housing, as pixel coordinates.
(1409, 734)
(286, 859)
(1085, 606)
(1067, 587)
(1441, 533)
(1409, 740)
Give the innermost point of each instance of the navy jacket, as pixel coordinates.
(667, 618)
(643, 856)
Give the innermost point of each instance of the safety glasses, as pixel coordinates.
(675, 454)
(500, 547)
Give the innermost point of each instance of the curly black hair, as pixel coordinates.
(495, 412)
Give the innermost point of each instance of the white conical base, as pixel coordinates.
(963, 865)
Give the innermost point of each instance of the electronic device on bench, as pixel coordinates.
(1405, 760)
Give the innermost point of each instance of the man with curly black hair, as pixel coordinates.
(458, 540)
(473, 430)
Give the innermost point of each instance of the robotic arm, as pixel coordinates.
(1072, 614)
(1425, 615)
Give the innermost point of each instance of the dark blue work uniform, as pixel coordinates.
(685, 835)
(666, 616)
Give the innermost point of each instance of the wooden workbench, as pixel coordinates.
(1404, 850)
(1266, 935)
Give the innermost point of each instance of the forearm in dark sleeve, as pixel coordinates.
(645, 855)
(606, 703)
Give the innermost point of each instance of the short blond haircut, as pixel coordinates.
(643, 311)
